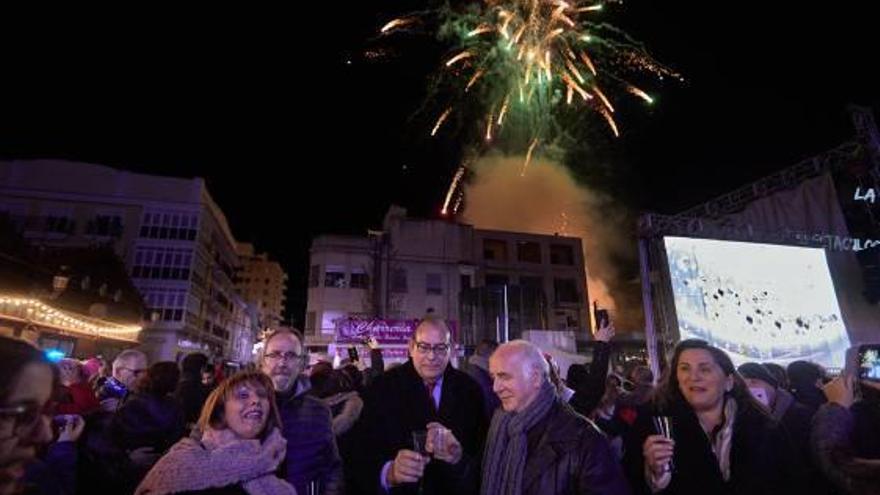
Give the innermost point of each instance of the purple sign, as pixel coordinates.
(355, 330)
(395, 354)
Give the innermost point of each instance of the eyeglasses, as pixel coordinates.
(287, 356)
(135, 372)
(27, 415)
(424, 348)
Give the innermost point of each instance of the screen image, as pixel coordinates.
(869, 367)
(758, 302)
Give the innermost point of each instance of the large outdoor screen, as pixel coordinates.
(759, 302)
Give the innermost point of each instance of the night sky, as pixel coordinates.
(294, 141)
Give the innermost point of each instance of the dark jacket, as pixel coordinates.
(762, 460)
(793, 416)
(377, 367)
(589, 387)
(810, 396)
(102, 461)
(796, 419)
(55, 472)
(569, 455)
(833, 441)
(311, 447)
(396, 405)
(866, 426)
(478, 369)
(140, 421)
(191, 395)
(627, 410)
(146, 420)
(226, 490)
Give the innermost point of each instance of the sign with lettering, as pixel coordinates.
(867, 195)
(838, 243)
(355, 330)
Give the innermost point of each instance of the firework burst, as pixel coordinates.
(525, 61)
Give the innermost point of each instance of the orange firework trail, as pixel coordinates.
(452, 187)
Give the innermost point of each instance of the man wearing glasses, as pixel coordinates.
(430, 398)
(104, 462)
(128, 366)
(312, 464)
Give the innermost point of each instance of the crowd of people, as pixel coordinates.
(506, 423)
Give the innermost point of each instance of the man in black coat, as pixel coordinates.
(588, 384)
(537, 445)
(425, 394)
(190, 392)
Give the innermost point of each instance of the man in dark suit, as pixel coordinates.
(426, 394)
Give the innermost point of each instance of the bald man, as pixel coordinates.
(537, 444)
(428, 395)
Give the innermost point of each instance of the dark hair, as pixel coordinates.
(354, 377)
(213, 412)
(779, 373)
(321, 379)
(486, 347)
(802, 375)
(194, 363)
(329, 382)
(15, 354)
(160, 380)
(321, 367)
(641, 375)
(669, 394)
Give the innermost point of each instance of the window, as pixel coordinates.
(16, 214)
(311, 317)
(168, 304)
(162, 263)
(434, 283)
(528, 252)
(531, 282)
(329, 320)
(314, 274)
(398, 280)
(105, 226)
(180, 226)
(494, 250)
(566, 290)
(561, 254)
(359, 279)
(334, 276)
(59, 224)
(496, 280)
